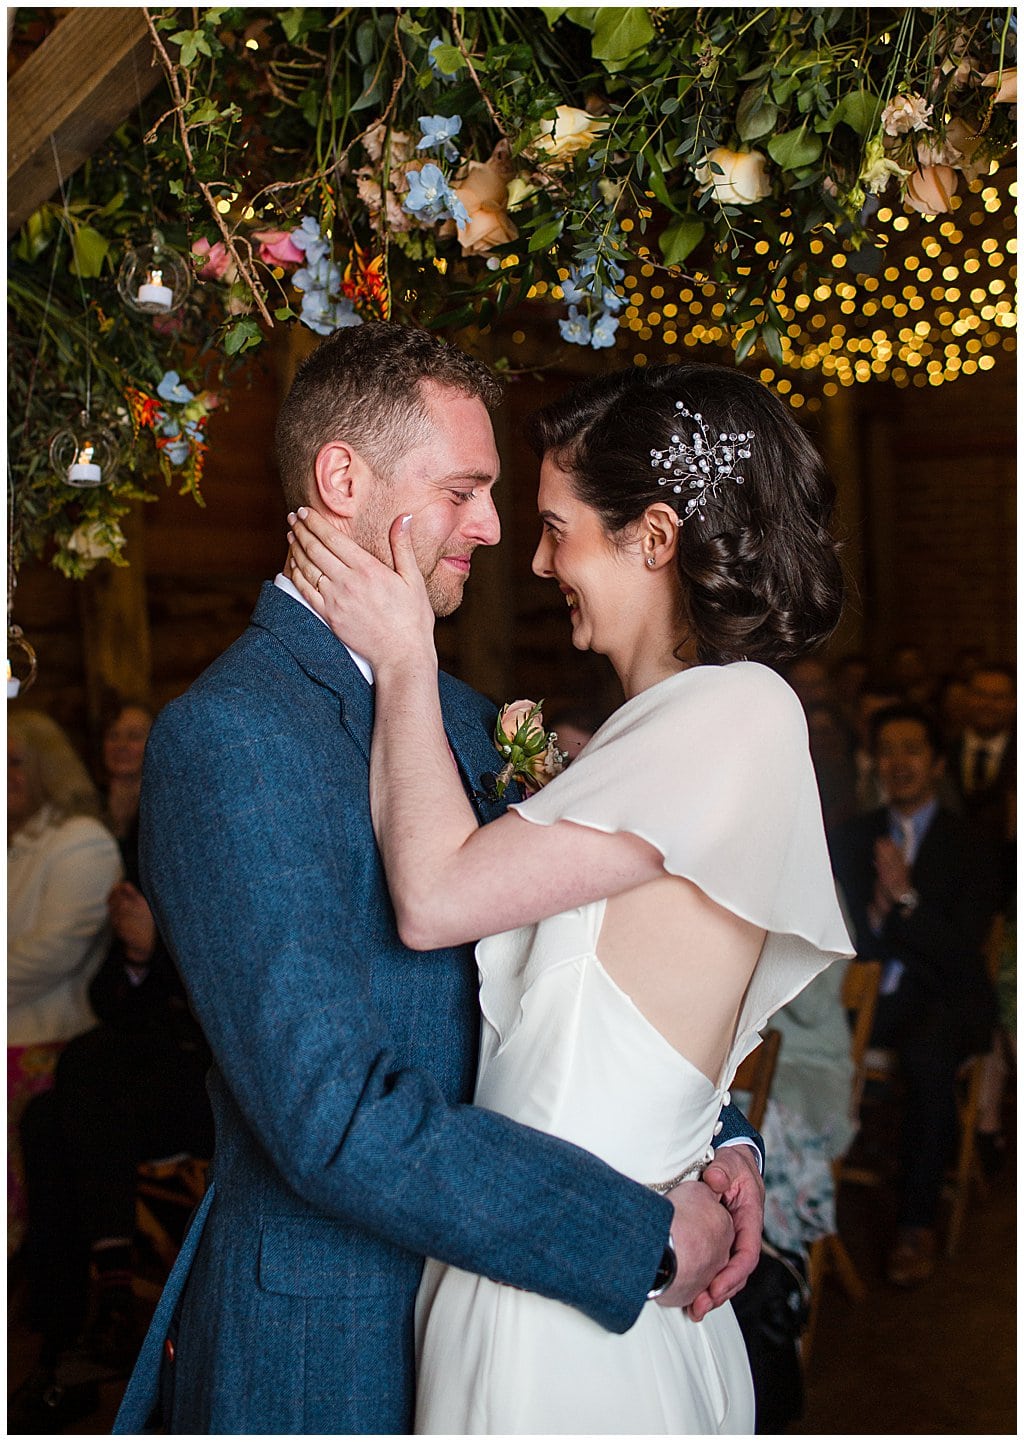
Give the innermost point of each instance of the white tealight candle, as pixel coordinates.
(154, 293)
(84, 469)
(13, 684)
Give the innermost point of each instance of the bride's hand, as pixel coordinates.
(376, 611)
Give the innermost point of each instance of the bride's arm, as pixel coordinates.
(450, 879)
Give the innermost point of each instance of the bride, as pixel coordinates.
(647, 911)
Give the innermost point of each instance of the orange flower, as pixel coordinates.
(367, 281)
(142, 408)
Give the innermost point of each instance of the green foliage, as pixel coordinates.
(600, 119)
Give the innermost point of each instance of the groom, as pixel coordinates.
(343, 1063)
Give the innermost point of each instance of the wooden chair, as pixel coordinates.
(860, 997)
(754, 1075)
(966, 1174)
(180, 1181)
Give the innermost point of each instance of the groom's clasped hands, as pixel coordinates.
(716, 1232)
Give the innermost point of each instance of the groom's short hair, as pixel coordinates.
(361, 385)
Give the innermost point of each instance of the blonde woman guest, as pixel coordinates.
(61, 865)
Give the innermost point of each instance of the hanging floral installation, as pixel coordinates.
(738, 172)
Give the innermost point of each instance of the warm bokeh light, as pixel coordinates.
(915, 323)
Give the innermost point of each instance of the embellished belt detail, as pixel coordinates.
(693, 1170)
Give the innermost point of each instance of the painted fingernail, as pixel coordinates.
(291, 518)
(406, 523)
(302, 513)
(290, 537)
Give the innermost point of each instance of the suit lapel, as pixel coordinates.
(473, 748)
(322, 656)
(326, 661)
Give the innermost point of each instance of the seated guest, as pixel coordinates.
(849, 677)
(810, 680)
(831, 747)
(952, 708)
(874, 697)
(123, 748)
(983, 764)
(132, 1089)
(909, 675)
(61, 865)
(921, 889)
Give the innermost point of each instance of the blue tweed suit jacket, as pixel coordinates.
(346, 1150)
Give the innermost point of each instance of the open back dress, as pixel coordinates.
(711, 766)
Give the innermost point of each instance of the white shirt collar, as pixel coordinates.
(290, 589)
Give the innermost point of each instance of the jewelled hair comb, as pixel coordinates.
(701, 463)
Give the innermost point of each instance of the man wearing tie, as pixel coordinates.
(922, 889)
(983, 763)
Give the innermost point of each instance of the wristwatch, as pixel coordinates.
(666, 1273)
(908, 901)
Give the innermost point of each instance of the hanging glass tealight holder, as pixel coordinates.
(154, 279)
(21, 662)
(84, 453)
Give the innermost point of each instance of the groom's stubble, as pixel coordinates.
(372, 529)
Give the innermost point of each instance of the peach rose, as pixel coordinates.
(574, 130)
(959, 147)
(741, 178)
(484, 193)
(276, 248)
(219, 260)
(930, 189)
(514, 713)
(1006, 94)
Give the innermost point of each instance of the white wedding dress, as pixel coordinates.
(712, 767)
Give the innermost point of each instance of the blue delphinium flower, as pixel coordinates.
(173, 389)
(323, 275)
(308, 239)
(177, 452)
(431, 197)
(345, 315)
(437, 134)
(575, 330)
(317, 312)
(435, 69)
(602, 333)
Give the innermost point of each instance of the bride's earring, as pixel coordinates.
(651, 562)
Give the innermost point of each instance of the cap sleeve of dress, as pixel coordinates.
(712, 767)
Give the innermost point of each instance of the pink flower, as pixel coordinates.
(514, 713)
(218, 259)
(276, 248)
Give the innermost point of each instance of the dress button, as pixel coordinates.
(727, 1099)
(718, 1128)
(169, 1349)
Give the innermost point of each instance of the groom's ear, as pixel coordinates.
(341, 476)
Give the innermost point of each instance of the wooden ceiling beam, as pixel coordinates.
(80, 84)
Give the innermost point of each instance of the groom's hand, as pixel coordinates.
(734, 1177)
(703, 1237)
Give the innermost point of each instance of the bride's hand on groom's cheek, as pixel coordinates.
(371, 607)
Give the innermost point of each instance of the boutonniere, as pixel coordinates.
(529, 754)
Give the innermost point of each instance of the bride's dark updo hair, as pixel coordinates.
(759, 566)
